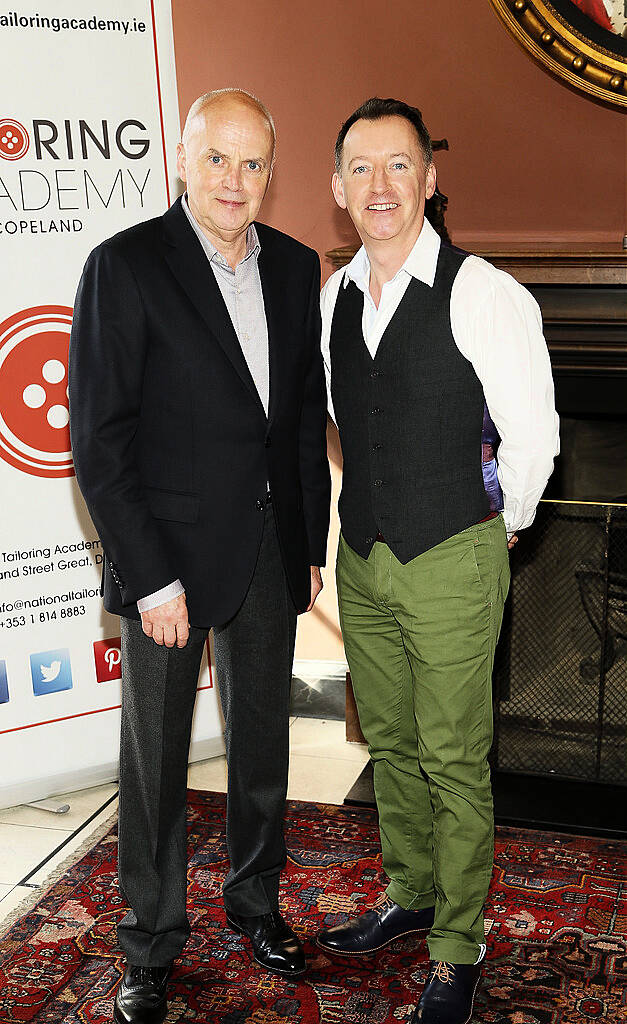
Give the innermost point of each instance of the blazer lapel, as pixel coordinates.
(188, 262)
(272, 286)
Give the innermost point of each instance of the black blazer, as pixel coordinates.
(171, 443)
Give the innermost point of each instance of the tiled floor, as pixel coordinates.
(323, 767)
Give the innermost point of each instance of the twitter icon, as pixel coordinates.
(51, 671)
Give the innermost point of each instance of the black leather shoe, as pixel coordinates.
(141, 995)
(375, 929)
(449, 994)
(275, 946)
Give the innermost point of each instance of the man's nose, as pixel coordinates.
(380, 179)
(233, 178)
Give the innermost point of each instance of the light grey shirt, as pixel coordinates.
(242, 294)
(243, 297)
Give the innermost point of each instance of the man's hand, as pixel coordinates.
(512, 540)
(168, 623)
(316, 585)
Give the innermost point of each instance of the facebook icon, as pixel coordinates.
(4, 683)
(51, 671)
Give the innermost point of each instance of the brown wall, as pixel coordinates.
(529, 158)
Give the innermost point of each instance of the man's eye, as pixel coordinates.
(253, 165)
(398, 166)
(215, 159)
(359, 170)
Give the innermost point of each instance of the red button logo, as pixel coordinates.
(14, 141)
(34, 408)
(108, 659)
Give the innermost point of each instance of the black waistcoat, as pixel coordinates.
(410, 421)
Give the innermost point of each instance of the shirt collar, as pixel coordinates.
(421, 262)
(253, 245)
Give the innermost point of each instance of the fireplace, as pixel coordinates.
(560, 681)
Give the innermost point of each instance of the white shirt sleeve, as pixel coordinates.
(328, 298)
(146, 604)
(497, 325)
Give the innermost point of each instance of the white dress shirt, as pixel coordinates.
(497, 326)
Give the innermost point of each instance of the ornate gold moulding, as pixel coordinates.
(597, 65)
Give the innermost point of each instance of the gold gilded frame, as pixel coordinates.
(566, 50)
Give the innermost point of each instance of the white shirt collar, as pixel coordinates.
(421, 262)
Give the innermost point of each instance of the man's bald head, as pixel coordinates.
(229, 99)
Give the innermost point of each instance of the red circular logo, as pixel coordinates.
(14, 141)
(34, 408)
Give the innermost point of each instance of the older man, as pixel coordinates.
(417, 338)
(198, 415)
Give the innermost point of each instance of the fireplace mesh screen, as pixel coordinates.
(560, 678)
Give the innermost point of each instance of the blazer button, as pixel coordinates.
(378, 483)
(260, 504)
(375, 411)
(369, 540)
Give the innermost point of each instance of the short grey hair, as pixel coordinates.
(207, 99)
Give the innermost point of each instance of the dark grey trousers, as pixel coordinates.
(254, 654)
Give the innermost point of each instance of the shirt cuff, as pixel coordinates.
(146, 604)
(510, 527)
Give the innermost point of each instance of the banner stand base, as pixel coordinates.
(30, 790)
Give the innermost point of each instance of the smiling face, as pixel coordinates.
(384, 182)
(226, 163)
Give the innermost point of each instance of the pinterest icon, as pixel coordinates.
(108, 660)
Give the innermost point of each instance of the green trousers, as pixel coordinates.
(420, 640)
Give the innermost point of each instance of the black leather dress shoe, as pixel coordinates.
(449, 994)
(275, 946)
(375, 929)
(141, 995)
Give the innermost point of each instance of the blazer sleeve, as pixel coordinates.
(108, 352)
(314, 464)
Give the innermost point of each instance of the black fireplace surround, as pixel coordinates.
(560, 679)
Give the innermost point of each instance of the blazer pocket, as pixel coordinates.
(173, 505)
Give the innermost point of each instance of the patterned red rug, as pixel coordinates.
(557, 919)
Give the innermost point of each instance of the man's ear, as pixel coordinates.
(180, 162)
(430, 182)
(338, 190)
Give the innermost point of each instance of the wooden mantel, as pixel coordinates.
(535, 265)
(583, 266)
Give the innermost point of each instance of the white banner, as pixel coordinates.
(88, 129)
